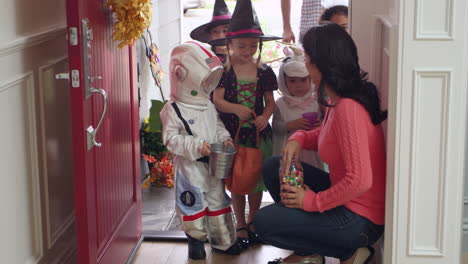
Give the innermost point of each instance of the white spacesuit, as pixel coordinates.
(189, 119)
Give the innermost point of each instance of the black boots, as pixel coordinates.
(196, 248)
(235, 249)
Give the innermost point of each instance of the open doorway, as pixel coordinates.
(159, 217)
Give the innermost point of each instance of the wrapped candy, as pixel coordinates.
(294, 176)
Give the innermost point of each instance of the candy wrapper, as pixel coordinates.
(294, 176)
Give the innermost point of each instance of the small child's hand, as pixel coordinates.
(228, 142)
(205, 149)
(297, 124)
(261, 123)
(243, 112)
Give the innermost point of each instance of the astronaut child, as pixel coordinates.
(190, 125)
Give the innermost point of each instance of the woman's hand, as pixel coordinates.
(205, 149)
(243, 112)
(228, 142)
(293, 197)
(261, 122)
(291, 149)
(299, 123)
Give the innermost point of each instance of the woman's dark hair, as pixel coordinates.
(334, 10)
(334, 53)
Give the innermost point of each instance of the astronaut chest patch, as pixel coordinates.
(187, 198)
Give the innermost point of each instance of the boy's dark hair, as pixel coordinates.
(334, 10)
(332, 50)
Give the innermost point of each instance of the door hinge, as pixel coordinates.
(73, 36)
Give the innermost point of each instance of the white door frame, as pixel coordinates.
(426, 132)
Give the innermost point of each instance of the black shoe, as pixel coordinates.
(244, 242)
(253, 237)
(232, 250)
(196, 248)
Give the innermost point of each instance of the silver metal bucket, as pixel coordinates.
(221, 160)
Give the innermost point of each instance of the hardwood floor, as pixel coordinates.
(176, 253)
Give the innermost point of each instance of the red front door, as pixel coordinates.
(104, 104)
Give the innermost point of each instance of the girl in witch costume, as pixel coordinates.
(244, 87)
(215, 29)
(190, 124)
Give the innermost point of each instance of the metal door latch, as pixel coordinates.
(75, 77)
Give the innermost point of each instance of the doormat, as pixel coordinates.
(176, 225)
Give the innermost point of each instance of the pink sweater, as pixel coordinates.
(354, 149)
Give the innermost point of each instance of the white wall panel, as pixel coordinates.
(434, 20)
(428, 164)
(21, 225)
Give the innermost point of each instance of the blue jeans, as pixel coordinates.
(337, 232)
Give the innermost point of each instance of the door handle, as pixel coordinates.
(91, 131)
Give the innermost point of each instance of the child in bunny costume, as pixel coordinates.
(190, 125)
(298, 98)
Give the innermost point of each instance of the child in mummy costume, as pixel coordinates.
(190, 125)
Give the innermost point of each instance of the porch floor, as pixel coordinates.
(158, 213)
(158, 208)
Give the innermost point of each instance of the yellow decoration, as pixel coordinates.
(133, 17)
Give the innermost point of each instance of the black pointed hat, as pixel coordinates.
(221, 16)
(244, 24)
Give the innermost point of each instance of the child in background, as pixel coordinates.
(336, 14)
(298, 98)
(190, 124)
(215, 29)
(246, 87)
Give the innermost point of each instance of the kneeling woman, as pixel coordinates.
(342, 213)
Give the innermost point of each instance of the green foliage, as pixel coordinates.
(154, 118)
(151, 132)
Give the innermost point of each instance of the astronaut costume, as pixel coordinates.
(189, 119)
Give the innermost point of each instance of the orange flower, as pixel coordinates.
(162, 172)
(149, 158)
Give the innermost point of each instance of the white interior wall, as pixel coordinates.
(36, 178)
(24, 18)
(465, 199)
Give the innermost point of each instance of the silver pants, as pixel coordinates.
(206, 214)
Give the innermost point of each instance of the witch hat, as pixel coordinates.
(221, 16)
(244, 24)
